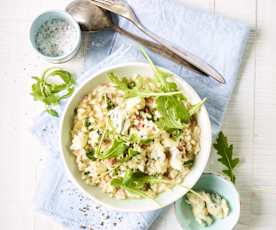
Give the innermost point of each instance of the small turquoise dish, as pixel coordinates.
(211, 183)
(56, 14)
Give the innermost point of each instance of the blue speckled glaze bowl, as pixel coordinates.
(212, 183)
(48, 15)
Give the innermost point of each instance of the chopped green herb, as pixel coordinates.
(146, 141)
(175, 133)
(131, 84)
(87, 123)
(90, 153)
(110, 104)
(189, 163)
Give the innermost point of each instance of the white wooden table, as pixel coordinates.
(249, 122)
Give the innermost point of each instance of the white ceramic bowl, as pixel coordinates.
(132, 205)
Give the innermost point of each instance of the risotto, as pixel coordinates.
(135, 137)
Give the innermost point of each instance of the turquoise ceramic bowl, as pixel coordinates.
(61, 15)
(213, 183)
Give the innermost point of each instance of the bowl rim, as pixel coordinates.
(104, 70)
(61, 14)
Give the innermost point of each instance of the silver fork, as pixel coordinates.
(122, 8)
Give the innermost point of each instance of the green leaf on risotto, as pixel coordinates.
(130, 154)
(117, 182)
(174, 113)
(195, 108)
(134, 182)
(118, 148)
(134, 138)
(138, 90)
(121, 84)
(138, 179)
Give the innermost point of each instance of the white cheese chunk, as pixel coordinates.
(207, 207)
(79, 141)
(93, 137)
(157, 152)
(176, 159)
(134, 104)
(117, 117)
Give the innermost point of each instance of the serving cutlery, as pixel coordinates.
(92, 18)
(122, 8)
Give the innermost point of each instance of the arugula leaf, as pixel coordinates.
(225, 151)
(161, 76)
(47, 90)
(195, 108)
(130, 154)
(137, 90)
(138, 179)
(118, 183)
(134, 138)
(121, 84)
(118, 148)
(173, 113)
(138, 93)
(134, 182)
(137, 192)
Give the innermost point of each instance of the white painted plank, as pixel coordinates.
(239, 119)
(265, 103)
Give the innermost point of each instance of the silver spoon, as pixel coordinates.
(122, 8)
(92, 18)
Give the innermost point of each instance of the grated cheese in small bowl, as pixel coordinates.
(55, 36)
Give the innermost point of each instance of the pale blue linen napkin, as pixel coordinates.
(219, 41)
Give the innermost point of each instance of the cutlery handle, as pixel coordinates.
(157, 48)
(190, 58)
